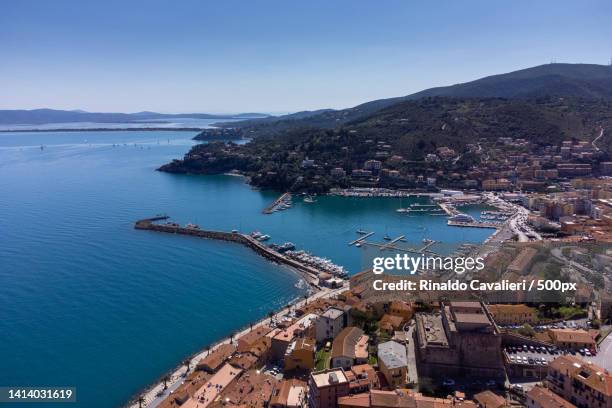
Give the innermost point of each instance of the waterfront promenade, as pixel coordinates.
(155, 394)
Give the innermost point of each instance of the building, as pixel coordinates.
(206, 394)
(216, 358)
(513, 314)
(349, 348)
(522, 262)
(330, 323)
(393, 363)
(585, 385)
(362, 378)
(489, 399)
(337, 172)
(289, 394)
(540, 397)
(571, 339)
(372, 165)
(446, 340)
(325, 387)
(401, 399)
(283, 338)
(300, 355)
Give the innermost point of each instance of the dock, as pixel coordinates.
(362, 238)
(391, 243)
(309, 273)
(272, 207)
(476, 224)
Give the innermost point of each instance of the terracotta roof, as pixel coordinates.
(390, 322)
(571, 336)
(589, 374)
(345, 342)
(357, 400)
(548, 399)
(511, 309)
(216, 358)
(489, 399)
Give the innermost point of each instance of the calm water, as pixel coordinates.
(87, 301)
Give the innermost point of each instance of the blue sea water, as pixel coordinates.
(87, 301)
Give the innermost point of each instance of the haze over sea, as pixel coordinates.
(87, 301)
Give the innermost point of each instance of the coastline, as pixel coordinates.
(128, 129)
(154, 394)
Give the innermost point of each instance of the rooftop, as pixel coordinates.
(392, 354)
(329, 377)
(587, 373)
(548, 399)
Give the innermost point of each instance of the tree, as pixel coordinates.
(271, 315)
(187, 363)
(141, 400)
(305, 299)
(165, 380)
(208, 349)
(526, 330)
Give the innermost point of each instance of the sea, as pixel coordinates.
(89, 302)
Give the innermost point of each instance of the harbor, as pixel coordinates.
(315, 270)
(281, 203)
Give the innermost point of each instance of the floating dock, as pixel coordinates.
(362, 238)
(309, 273)
(272, 207)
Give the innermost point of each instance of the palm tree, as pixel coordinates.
(251, 326)
(208, 349)
(165, 380)
(232, 337)
(271, 315)
(305, 299)
(187, 363)
(141, 400)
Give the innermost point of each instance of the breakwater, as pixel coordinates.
(309, 273)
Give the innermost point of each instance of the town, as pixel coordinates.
(347, 349)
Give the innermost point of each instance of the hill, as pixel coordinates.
(587, 81)
(403, 138)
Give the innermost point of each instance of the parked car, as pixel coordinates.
(449, 382)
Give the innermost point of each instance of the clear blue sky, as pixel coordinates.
(275, 56)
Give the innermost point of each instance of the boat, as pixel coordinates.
(402, 210)
(263, 237)
(192, 226)
(387, 238)
(309, 199)
(361, 232)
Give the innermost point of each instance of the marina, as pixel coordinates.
(309, 266)
(281, 203)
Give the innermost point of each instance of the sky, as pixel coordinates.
(276, 56)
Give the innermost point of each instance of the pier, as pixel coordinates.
(391, 243)
(309, 273)
(475, 224)
(272, 207)
(362, 238)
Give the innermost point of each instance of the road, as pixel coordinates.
(604, 354)
(601, 132)
(155, 395)
(413, 375)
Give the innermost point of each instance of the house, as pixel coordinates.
(325, 387)
(300, 355)
(283, 338)
(513, 314)
(330, 323)
(215, 359)
(581, 383)
(393, 363)
(349, 348)
(208, 392)
(489, 399)
(289, 394)
(572, 339)
(540, 397)
(362, 378)
(390, 323)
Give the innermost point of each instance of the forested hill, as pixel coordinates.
(586, 81)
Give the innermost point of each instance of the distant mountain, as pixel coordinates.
(45, 116)
(588, 81)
